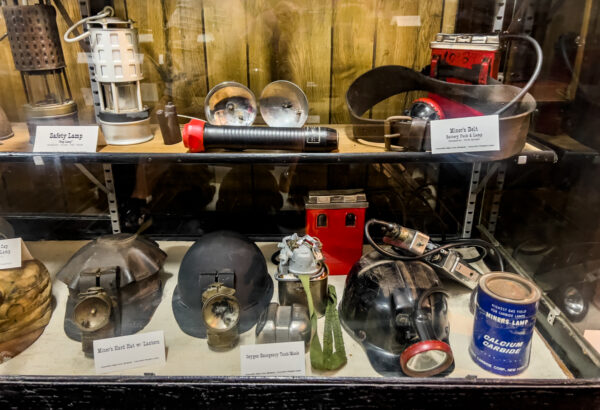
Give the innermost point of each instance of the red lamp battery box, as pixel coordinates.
(337, 218)
(465, 58)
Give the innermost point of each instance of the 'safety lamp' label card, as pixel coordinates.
(81, 138)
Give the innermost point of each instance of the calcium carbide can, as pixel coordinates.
(505, 309)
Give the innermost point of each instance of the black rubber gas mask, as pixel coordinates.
(398, 312)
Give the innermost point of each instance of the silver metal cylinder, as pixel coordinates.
(291, 291)
(278, 324)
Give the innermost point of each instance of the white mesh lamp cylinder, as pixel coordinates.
(118, 70)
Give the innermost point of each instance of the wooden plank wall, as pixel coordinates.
(322, 45)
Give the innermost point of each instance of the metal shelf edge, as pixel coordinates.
(268, 157)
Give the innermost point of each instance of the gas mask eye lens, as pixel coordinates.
(426, 358)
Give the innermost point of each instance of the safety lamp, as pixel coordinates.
(118, 70)
(37, 53)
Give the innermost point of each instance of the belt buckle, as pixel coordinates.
(388, 138)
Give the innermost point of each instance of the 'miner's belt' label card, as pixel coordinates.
(470, 134)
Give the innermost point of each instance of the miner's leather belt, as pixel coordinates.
(412, 134)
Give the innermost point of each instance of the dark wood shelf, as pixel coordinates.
(278, 393)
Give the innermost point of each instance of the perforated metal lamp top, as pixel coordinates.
(33, 37)
(115, 51)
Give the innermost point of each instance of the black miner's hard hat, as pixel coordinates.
(398, 312)
(231, 259)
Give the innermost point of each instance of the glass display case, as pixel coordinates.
(299, 203)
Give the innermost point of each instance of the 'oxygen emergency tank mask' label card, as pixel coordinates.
(273, 359)
(471, 134)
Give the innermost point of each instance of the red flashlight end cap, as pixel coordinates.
(193, 135)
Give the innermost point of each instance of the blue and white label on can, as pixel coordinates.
(502, 332)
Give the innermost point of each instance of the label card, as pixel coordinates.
(593, 337)
(12, 253)
(406, 21)
(273, 359)
(128, 352)
(469, 134)
(62, 138)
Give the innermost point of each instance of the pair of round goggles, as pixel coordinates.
(282, 104)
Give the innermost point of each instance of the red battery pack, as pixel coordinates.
(337, 218)
(478, 53)
(463, 59)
